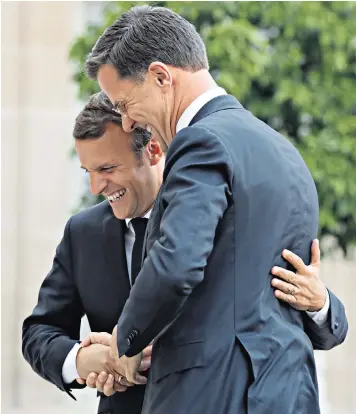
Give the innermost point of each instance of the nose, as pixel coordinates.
(97, 183)
(128, 124)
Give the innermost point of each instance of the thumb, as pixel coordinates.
(85, 341)
(102, 338)
(315, 253)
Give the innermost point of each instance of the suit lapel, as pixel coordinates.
(115, 254)
(151, 223)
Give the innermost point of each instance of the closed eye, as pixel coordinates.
(120, 107)
(108, 169)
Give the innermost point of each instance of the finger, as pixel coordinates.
(126, 383)
(147, 352)
(80, 381)
(114, 352)
(285, 274)
(85, 341)
(285, 287)
(285, 297)
(91, 380)
(145, 364)
(109, 386)
(103, 376)
(315, 253)
(295, 261)
(140, 379)
(119, 387)
(102, 338)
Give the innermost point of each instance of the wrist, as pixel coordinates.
(320, 303)
(80, 363)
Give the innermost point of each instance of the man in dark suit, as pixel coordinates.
(234, 194)
(99, 257)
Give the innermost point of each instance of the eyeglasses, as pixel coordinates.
(118, 109)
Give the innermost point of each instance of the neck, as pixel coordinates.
(188, 86)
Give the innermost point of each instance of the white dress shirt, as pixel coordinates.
(196, 106)
(69, 369)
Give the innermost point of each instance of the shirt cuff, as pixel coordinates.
(321, 317)
(69, 369)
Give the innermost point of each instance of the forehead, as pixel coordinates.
(113, 146)
(112, 85)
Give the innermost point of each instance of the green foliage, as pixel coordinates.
(293, 64)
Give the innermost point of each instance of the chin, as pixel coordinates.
(118, 214)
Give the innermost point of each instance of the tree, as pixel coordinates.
(293, 64)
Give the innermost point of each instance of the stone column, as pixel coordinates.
(39, 181)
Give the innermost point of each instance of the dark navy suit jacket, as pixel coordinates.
(235, 193)
(89, 276)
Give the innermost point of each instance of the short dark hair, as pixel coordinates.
(145, 34)
(93, 119)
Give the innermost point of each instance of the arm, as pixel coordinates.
(333, 331)
(52, 330)
(195, 194)
(325, 320)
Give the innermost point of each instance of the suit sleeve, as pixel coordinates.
(333, 332)
(52, 329)
(195, 194)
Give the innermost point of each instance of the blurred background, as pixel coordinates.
(293, 64)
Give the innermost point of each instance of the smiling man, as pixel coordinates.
(97, 260)
(116, 172)
(234, 194)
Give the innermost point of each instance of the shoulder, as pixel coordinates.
(91, 216)
(197, 144)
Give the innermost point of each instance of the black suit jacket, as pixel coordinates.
(234, 194)
(89, 276)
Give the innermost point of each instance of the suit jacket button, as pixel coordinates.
(134, 333)
(336, 324)
(128, 341)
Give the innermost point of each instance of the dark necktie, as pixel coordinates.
(139, 224)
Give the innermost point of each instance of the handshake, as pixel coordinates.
(99, 366)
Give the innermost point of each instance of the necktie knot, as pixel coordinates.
(139, 225)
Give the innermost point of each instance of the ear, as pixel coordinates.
(160, 74)
(155, 152)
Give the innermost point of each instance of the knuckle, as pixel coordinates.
(291, 277)
(283, 296)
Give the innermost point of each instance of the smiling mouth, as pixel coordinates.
(116, 196)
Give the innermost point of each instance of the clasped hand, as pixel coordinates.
(99, 367)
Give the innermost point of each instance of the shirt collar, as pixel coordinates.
(196, 106)
(147, 216)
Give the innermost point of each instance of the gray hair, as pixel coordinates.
(93, 119)
(145, 34)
